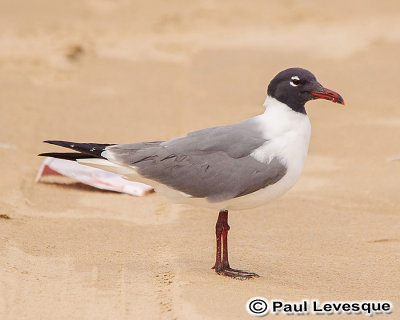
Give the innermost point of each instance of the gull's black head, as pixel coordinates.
(295, 86)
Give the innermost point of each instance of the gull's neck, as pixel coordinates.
(279, 119)
(272, 103)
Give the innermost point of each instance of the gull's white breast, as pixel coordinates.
(288, 134)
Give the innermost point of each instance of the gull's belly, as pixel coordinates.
(294, 156)
(262, 196)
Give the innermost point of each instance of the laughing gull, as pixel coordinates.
(238, 166)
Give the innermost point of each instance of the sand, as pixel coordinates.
(123, 71)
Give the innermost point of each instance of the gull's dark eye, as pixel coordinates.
(295, 81)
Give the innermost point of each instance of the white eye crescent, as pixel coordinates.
(295, 81)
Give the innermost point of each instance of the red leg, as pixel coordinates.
(225, 228)
(222, 266)
(218, 263)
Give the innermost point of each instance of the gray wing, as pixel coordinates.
(237, 140)
(212, 163)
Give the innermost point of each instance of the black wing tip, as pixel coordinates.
(59, 143)
(66, 155)
(92, 149)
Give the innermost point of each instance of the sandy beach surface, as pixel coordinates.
(123, 71)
